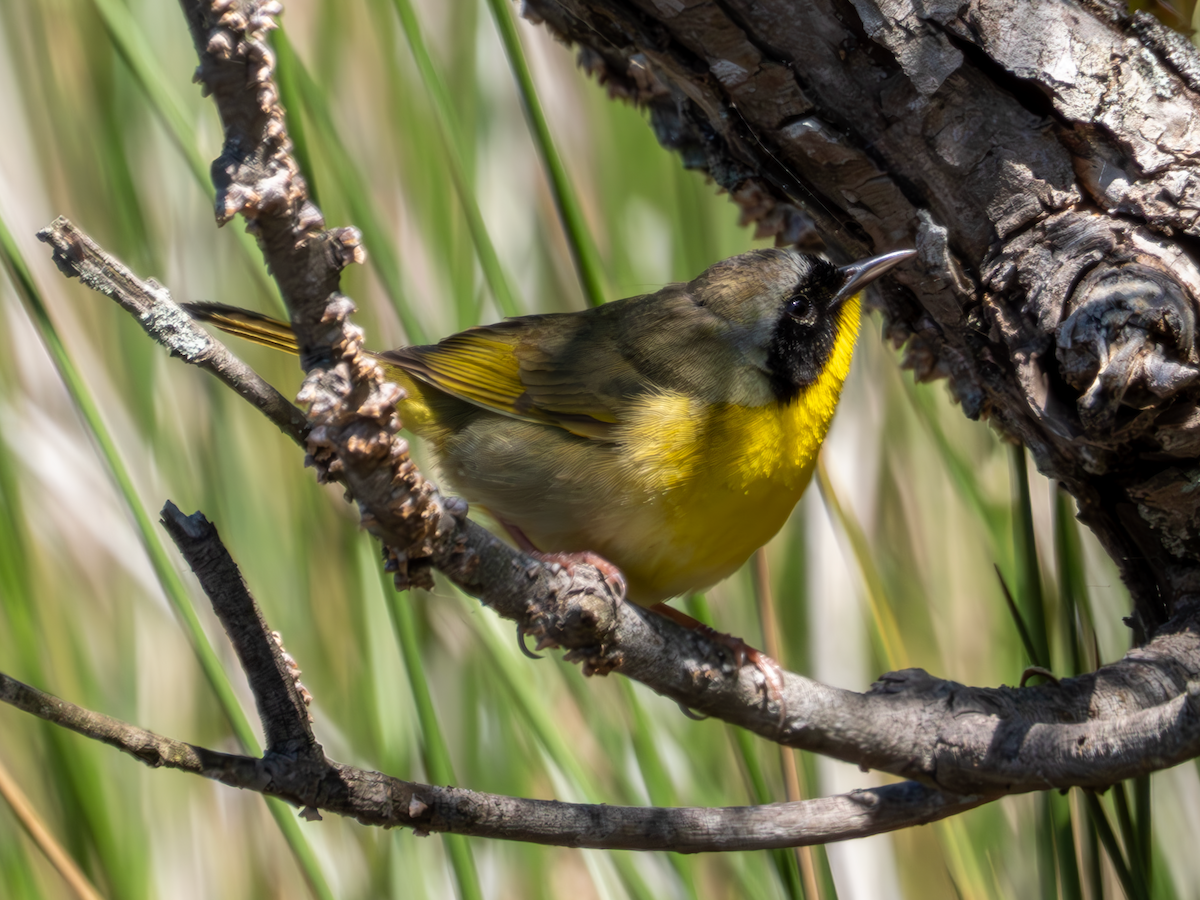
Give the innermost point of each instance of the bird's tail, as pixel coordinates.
(243, 323)
(260, 329)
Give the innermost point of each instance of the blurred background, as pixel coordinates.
(410, 125)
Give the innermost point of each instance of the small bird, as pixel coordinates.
(669, 435)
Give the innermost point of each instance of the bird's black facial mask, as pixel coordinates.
(806, 330)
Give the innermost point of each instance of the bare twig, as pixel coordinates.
(282, 702)
(77, 255)
(377, 799)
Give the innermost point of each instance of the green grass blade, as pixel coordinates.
(127, 37)
(1047, 876)
(791, 773)
(17, 865)
(43, 837)
(1129, 837)
(961, 472)
(172, 584)
(352, 187)
(887, 630)
(658, 783)
(1093, 863)
(1030, 599)
(1059, 807)
(438, 764)
(583, 248)
(1143, 828)
(125, 32)
(452, 143)
(1132, 887)
(289, 96)
(784, 860)
(757, 788)
(16, 581)
(1033, 615)
(1074, 620)
(419, 164)
(962, 859)
(1019, 620)
(530, 707)
(826, 887)
(82, 791)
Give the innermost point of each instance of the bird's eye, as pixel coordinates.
(801, 309)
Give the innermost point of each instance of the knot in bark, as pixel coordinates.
(1129, 343)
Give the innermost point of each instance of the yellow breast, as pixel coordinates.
(720, 480)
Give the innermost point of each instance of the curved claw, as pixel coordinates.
(694, 716)
(742, 652)
(772, 674)
(1042, 671)
(521, 644)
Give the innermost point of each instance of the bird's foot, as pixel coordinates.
(614, 580)
(742, 652)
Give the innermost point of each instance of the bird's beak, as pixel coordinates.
(858, 275)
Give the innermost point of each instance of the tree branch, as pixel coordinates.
(376, 799)
(77, 255)
(295, 769)
(282, 701)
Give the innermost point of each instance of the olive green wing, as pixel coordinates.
(582, 371)
(545, 369)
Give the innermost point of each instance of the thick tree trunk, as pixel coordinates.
(1040, 154)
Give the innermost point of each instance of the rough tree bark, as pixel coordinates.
(1040, 154)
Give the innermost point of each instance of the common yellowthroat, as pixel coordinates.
(671, 434)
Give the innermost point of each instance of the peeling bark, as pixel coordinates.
(1042, 157)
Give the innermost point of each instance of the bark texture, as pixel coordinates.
(1040, 154)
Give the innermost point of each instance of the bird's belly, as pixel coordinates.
(664, 549)
(703, 537)
(679, 503)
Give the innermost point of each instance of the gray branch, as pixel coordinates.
(78, 256)
(282, 700)
(294, 768)
(376, 799)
